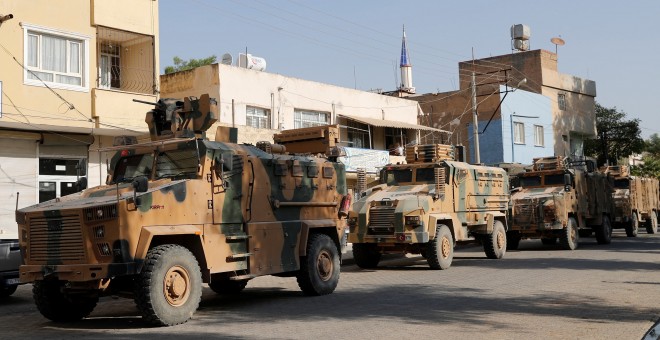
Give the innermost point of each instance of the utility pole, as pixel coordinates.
(475, 128)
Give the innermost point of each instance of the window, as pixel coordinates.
(304, 118)
(357, 134)
(538, 135)
(55, 58)
(518, 133)
(257, 117)
(561, 101)
(125, 61)
(57, 177)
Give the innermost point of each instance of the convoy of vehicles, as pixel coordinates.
(180, 211)
(426, 206)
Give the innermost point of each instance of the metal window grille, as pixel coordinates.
(257, 117)
(125, 61)
(305, 118)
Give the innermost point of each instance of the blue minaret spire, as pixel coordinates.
(406, 67)
(405, 59)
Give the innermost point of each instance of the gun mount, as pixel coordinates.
(173, 118)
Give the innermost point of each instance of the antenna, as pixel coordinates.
(558, 41)
(227, 59)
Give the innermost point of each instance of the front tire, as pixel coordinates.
(633, 227)
(366, 255)
(319, 270)
(440, 250)
(604, 232)
(570, 235)
(6, 291)
(58, 305)
(652, 223)
(495, 243)
(169, 288)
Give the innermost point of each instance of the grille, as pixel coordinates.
(56, 239)
(381, 220)
(107, 212)
(525, 213)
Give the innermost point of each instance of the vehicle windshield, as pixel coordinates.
(530, 181)
(133, 166)
(170, 164)
(622, 184)
(177, 163)
(425, 175)
(394, 177)
(554, 180)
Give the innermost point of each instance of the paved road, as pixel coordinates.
(595, 292)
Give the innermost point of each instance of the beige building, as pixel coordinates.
(260, 104)
(70, 69)
(572, 98)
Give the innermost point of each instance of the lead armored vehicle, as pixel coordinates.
(180, 211)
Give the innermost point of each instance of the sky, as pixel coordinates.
(357, 43)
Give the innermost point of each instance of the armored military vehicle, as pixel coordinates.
(560, 199)
(426, 206)
(180, 211)
(636, 201)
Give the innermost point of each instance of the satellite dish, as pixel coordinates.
(557, 41)
(227, 59)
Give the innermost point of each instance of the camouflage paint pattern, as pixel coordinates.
(468, 202)
(241, 211)
(543, 210)
(638, 195)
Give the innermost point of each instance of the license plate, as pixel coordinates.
(11, 282)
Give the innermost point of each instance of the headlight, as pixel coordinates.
(352, 221)
(413, 220)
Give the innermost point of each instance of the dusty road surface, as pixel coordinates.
(595, 292)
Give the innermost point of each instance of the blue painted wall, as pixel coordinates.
(496, 143)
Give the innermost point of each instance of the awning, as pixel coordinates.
(391, 123)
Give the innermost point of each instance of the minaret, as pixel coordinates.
(406, 67)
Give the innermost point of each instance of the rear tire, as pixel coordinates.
(227, 287)
(366, 255)
(549, 241)
(56, 304)
(440, 250)
(652, 224)
(512, 240)
(169, 288)
(319, 270)
(495, 243)
(570, 236)
(604, 232)
(632, 228)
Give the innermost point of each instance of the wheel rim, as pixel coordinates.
(445, 248)
(574, 235)
(176, 286)
(324, 265)
(500, 240)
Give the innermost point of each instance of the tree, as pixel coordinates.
(617, 136)
(183, 65)
(653, 145)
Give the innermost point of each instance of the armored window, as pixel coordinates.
(306, 118)
(55, 58)
(132, 166)
(328, 171)
(312, 171)
(257, 117)
(425, 175)
(538, 135)
(177, 164)
(394, 177)
(530, 181)
(125, 60)
(281, 168)
(518, 133)
(296, 169)
(561, 101)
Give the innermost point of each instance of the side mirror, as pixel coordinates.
(218, 168)
(140, 184)
(81, 184)
(567, 182)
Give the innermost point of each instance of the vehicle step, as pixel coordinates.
(242, 277)
(237, 237)
(239, 256)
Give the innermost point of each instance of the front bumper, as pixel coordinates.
(76, 273)
(405, 237)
